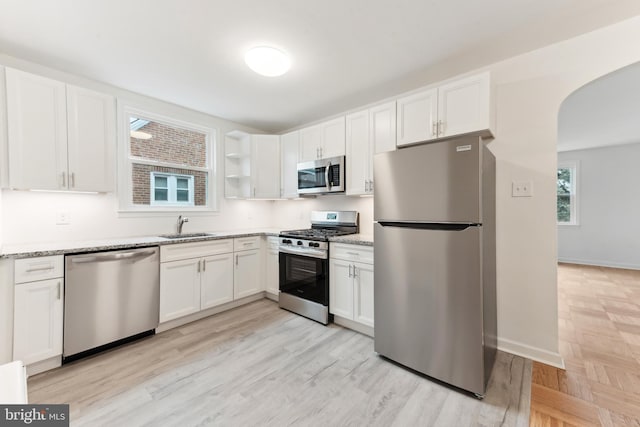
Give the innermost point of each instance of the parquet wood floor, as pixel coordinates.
(599, 328)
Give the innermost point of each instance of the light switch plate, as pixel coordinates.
(522, 189)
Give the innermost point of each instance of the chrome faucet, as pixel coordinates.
(181, 221)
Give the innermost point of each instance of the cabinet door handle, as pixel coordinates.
(58, 291)
(204, 265)
(236, 259)
(354, 272)
(317, 152)
(73, 179)
(64, 179)
(371, 186)
(353, 254)
(198, 268)
(320, 152)
(440, 127)
(350, 271)
(366, 185)
(434, 129)
(47, 268)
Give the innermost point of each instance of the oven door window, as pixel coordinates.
(304, 277)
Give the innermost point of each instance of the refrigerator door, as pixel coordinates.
(428, 302)
(437, 182)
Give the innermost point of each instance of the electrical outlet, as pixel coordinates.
(522, 189)
(62, 218)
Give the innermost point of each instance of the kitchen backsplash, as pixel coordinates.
(33, 217)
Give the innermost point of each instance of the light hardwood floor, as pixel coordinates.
(599, 315)
(260, 365)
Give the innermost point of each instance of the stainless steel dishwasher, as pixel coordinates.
(110, 297)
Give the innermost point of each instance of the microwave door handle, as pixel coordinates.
(326, 176)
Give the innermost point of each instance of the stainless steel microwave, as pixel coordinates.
(321, 176)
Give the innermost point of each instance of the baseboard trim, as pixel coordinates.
(350, 324)
(533, 353)
(208, 312)
(44, 365)
(597, 263)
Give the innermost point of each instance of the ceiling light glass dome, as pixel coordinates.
(267, 61)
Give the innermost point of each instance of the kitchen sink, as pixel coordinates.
(185, 235)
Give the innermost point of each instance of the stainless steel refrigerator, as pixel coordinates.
(435, 267)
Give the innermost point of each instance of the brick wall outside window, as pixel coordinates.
(170, 145)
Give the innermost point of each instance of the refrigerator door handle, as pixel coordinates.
(429, 225)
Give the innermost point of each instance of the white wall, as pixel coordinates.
(608, 208)
(529, 90)
(29, 217)
(295, 214)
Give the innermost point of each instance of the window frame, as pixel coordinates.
(172, 189)
(125, 163)
(573, 165)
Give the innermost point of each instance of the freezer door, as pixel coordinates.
(428, 302)
(436, 182)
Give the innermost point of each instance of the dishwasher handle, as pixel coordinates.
(104, 257)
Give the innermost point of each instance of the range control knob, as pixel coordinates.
(314, 244)
(286, 241)
(300, 243)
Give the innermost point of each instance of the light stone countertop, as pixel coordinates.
(60, 248)
(29, 250)
(354, 239)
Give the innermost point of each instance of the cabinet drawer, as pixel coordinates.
(246, 243)
(352, 252)
(195, 249)
(41, 268)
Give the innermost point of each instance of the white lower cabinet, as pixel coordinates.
(272, 267)
(38, 309)
(194, 277)
(351, 283)
(179, 288)
(201, 275)
(247, 275)
(217, 280)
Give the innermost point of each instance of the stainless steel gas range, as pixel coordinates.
(304, 263)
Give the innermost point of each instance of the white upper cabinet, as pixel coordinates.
(464, 106)
(455, 108)
(417, 117)
(358, 153)
(37, 130)
(265, 166)
(252, 166)
(323, 140)
(60, 137)
(289, 152)
(368, 132)
(382, 120)
(91, 140)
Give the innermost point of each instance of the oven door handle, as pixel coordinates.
(304, 252)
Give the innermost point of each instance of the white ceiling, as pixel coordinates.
(602, 113)
(345, 53)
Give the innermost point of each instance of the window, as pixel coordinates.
(171, 189)
(169, 164)
(566, 187)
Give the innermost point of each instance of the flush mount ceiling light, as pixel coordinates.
(267, 61)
